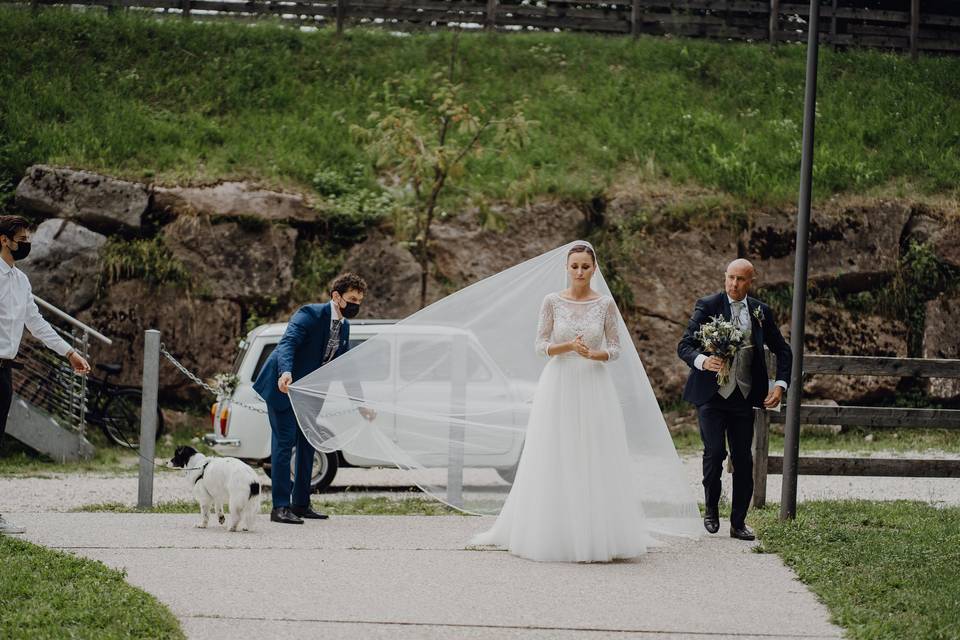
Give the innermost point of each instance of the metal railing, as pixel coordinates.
(47, 380)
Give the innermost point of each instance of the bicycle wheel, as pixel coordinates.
(121, 418)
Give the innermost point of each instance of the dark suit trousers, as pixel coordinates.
(287, 436)
(6, 396)
(731, 418)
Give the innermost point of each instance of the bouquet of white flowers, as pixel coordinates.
(723, 339)
(225, 383)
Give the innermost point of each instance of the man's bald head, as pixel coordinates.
(739, 278)
(740, 265)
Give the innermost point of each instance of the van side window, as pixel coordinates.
(429, 360)
(382, 356)
(267, 350)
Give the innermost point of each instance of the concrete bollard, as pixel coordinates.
(148, 417)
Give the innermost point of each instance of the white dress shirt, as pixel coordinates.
(743, 321)
(335, 313)
(17, 309)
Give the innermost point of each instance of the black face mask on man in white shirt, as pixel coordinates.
(22, 250)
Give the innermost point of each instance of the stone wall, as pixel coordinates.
(663, 247)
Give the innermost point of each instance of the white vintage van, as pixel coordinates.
(242, 433)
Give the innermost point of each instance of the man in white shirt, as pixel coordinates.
(18, 310)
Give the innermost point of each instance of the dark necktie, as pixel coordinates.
(333, 342)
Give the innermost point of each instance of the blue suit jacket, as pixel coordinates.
(300, 351)
(702, 385)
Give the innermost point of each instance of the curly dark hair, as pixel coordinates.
(347, 281)
(9, 225)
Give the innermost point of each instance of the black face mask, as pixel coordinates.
(22, 250)
(351, 310)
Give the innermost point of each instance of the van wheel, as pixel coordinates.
(325, 466)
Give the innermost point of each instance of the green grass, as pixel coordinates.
(172, 100)
(49, 594)
(18, 460)
(359, 506)
(855, 440)
(886, 570)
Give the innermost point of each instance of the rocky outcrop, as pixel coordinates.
(99, 202)
(63, 265)
(668, 272)
(837, 331)
(939, 230)
(228, 260)
(656, 341)
(661, 245)
(392, 275)
(941, 339)
(234, 200)
(464, 252)
(202, 334)
(853, 248)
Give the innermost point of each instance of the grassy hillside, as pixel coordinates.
(167, 100)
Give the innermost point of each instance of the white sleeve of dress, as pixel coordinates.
(611, 331)
(545, 328)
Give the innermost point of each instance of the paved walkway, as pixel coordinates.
(414, 577)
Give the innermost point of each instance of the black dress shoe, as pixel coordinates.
(742, 533)
(711, 523)
(307, 513)
(284, 515)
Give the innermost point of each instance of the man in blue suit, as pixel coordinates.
(315, 335)
(728, 410)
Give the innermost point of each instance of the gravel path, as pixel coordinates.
(64, 492)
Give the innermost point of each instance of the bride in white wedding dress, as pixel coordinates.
(576, 422)
(460, 396)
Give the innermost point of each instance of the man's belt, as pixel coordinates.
(9, 364)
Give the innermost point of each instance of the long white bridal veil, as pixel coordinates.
(452, 387)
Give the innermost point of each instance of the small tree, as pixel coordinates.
(427, 142)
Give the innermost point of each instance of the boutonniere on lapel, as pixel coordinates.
(758, 314)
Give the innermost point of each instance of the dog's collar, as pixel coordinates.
(202, 469)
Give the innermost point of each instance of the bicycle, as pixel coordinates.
(116, 408)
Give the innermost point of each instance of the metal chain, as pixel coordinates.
(196, 379)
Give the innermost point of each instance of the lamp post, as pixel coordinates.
(791, 444)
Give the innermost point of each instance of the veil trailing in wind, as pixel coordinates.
(452, 387)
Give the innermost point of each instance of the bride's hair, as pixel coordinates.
(582, 248)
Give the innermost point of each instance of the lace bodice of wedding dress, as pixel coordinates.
(562, 320)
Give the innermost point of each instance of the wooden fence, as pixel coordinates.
(905, 25)
(873, 417)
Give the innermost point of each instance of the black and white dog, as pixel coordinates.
(217, 481)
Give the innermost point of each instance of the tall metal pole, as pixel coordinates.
(148, 416)
(791, 444)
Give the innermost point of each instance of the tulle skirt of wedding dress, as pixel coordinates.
(574, 498)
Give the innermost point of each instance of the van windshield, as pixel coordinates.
(241, 352)
(268, 349)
